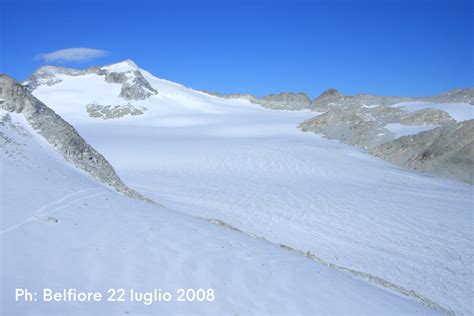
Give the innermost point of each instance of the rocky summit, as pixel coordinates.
(126, 73)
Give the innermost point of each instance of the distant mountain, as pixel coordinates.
(398, 129)
(333, 98)
(133, 84)
(454, 96)
(278, 101)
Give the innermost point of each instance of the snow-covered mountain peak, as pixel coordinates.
(330, 93)
(134, 86)
(127, 65)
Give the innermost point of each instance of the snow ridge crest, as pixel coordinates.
(134, 85)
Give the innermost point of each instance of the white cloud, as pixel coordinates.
(72, 55)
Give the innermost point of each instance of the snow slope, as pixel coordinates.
(252, 168)
(73, 232)
(404, 130)
(458, 111)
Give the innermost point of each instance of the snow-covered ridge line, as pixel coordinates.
(126, 73)
(61, 135)
(359, 274)
(332, 97)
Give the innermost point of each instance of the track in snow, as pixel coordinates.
(53, 207)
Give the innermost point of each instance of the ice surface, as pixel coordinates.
(252, 168)
(61, 229)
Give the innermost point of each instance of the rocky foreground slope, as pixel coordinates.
(60, 134)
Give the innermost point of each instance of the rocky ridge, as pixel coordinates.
(366, 127)
(285, 101)
(454, 96)
(61, 135)
(333, 98)
(48, 75)
(446, 151)
(133, 85)
(362, 120)
(279, 101)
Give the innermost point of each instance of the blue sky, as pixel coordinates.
(411, 48)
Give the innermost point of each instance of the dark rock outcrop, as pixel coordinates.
(113, 111)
